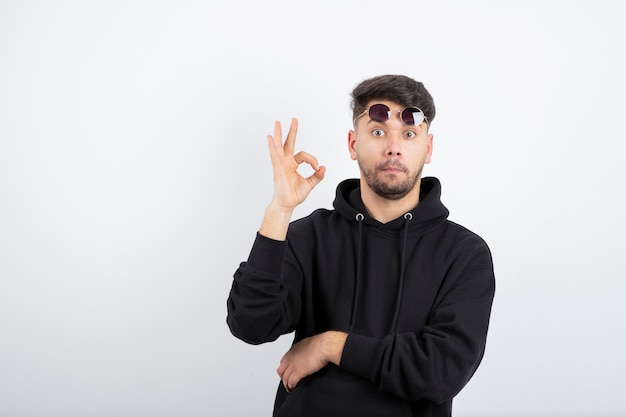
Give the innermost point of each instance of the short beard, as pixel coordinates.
(390, 191)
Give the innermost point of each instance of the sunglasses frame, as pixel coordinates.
(388, 111)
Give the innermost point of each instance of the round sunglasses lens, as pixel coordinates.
(379, 113)
(412, 116)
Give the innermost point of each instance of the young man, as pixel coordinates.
(389, 300)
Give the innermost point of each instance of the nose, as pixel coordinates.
(394, 143)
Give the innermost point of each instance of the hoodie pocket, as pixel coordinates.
(332, 392)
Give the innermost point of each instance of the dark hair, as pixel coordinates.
(397, 88)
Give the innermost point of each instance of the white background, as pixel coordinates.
(134, 174)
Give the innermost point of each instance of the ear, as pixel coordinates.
(352, 144)
(429, 144)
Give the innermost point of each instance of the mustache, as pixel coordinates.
(392, 164)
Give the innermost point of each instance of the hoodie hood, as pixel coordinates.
(426, 215)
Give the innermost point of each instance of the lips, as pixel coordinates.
(392, 167)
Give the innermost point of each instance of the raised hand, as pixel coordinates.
(290, 187)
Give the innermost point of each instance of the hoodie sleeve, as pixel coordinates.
(261, 306)
(436, 363)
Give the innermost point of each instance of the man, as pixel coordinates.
(389, 300)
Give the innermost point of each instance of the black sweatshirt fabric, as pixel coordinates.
(414, 296)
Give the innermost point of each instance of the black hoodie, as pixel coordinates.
(414, 296)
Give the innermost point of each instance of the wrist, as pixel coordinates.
(334, 343)
(277, 210)
(276, 222)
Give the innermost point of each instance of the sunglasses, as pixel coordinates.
(381, 113)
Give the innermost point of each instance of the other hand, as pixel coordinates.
(309, 356)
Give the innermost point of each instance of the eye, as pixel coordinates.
(409, 134)
(378, 132)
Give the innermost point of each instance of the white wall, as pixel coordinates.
(134, 174)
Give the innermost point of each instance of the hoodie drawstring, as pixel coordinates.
(407, 218)
(355, 297)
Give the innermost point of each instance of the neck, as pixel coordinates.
(385, 210)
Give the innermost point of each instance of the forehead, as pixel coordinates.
(391, 104)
